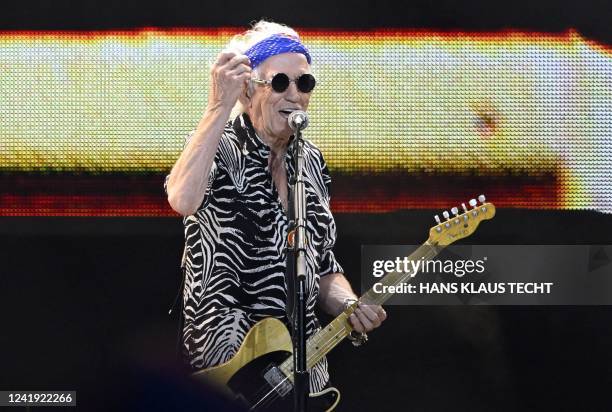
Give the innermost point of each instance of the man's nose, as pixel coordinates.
(292, 93)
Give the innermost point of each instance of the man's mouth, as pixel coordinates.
(286, 112)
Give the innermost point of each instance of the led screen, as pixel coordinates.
(91, 122)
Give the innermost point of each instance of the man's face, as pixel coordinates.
(268, 109)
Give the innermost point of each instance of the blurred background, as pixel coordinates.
(419, 106)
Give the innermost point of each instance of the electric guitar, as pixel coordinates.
(261, 372)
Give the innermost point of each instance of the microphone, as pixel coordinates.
(298, 120)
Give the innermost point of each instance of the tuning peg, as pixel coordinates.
(445, 214)
(455, 211)
(464, 208)
(482, 198)
(437, 219)
(473, 202)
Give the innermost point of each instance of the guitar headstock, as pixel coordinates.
(461, 225)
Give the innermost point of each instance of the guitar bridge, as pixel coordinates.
(277, 380)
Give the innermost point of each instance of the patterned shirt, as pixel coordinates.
(236, 248)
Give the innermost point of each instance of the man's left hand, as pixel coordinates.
(367, 317)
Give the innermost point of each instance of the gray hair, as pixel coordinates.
(240, 43)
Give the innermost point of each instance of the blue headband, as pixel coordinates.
(273, 45)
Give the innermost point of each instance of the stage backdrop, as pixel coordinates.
(91, 122)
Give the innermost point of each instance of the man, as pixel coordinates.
(230, 183)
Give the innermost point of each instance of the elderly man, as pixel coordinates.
(231, 184)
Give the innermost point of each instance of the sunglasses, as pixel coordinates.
(280, 82)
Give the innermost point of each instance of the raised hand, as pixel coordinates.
(228, 77)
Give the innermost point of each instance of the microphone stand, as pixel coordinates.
(296, 241)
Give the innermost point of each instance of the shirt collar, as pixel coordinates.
(246, 135)
(248, 139)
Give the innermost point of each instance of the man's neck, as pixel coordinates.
(278, 148)
(276, 159)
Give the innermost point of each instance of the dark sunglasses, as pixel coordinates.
(280, 82)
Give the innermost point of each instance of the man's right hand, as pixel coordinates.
(228, 77)
(188, 180)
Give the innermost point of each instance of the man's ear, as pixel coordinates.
(245, 96)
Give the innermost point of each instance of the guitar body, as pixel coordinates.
(253, 375)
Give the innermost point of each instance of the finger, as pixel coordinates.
(371, 313)
(382, 313)
(238, 60)
(367, 324)
(242, 78)
(241, 68)
(356, 323)
(225, 56)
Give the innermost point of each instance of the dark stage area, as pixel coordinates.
(590, 17)
(86, 310)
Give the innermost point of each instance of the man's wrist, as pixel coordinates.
(356, 338)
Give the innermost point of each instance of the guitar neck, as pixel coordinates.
(440, 236)
(327, 338)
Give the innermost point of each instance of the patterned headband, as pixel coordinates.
(273, 45)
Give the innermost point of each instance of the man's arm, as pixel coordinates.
(334, 289)
(187, 181)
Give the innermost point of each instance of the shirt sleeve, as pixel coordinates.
(328, 264)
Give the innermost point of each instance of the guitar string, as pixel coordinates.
(431, 251)
(324, 347)
(273, 391)
(272, 395)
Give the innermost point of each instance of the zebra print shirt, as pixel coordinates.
(235, 248)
